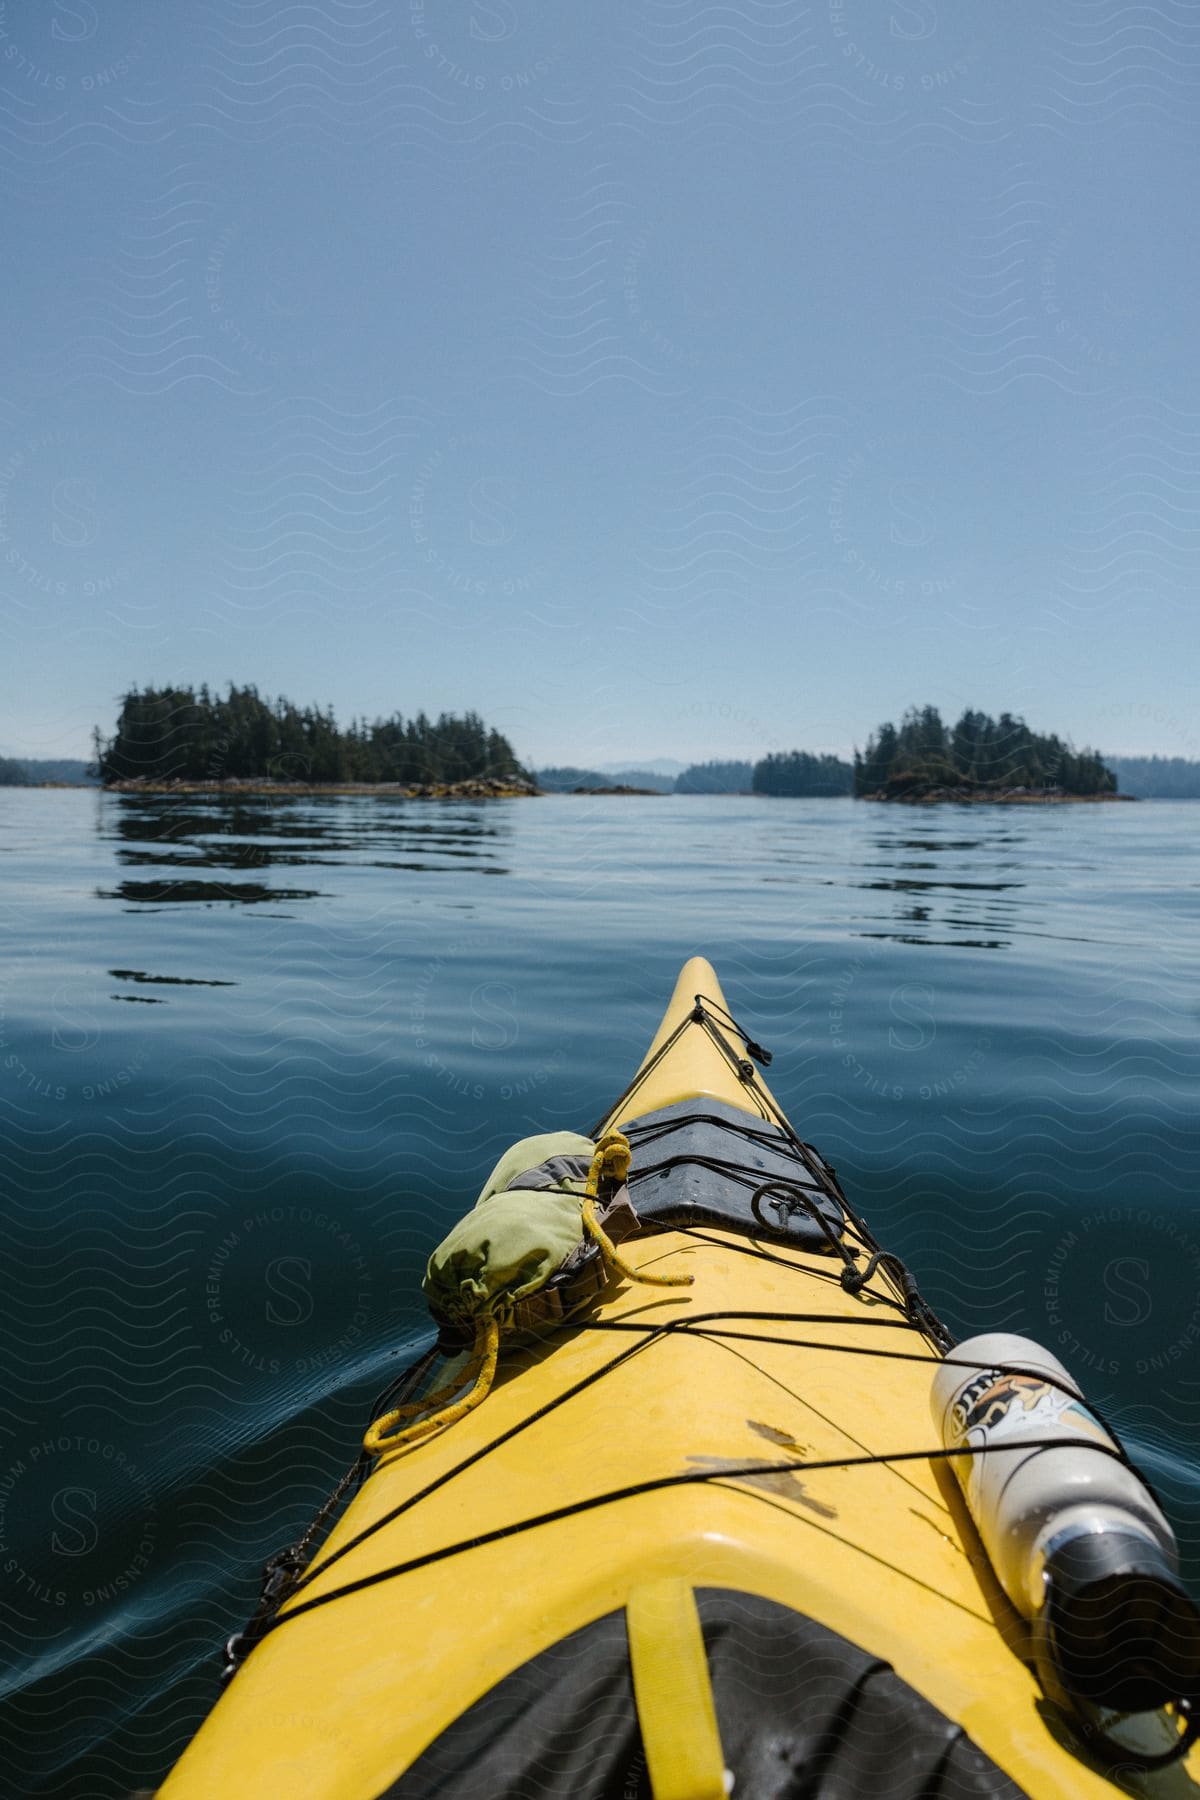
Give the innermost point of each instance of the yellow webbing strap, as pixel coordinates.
(673, 1693)
(611, 1162)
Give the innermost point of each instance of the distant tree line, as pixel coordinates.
(797, 772)
(566, 779)
(715, 778)
(27, 771)
(1157, 777)
(641, 778)
(181, 734)
(978, 752)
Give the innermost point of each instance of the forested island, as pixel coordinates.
(979, 758)
(173, 737)
(184, 737)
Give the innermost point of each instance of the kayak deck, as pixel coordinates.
(657, 1435)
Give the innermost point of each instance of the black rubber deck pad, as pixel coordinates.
(699, 1162)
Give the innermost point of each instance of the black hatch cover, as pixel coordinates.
(802, 1713)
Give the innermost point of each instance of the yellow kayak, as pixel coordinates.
(697, 1538)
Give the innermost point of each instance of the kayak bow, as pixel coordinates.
(690, 1529)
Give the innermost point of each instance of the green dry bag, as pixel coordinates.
(524, 1227)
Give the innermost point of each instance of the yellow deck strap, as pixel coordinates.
(673, 1693)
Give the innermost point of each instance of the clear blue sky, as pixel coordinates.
(657, 379)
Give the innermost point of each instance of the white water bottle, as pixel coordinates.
(1075, 1538)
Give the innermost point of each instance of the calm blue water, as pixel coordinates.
(256, 1056)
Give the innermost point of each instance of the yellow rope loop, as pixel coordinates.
(610, 1163)
(616, 1262)
(440, 1396)
(482, 1367)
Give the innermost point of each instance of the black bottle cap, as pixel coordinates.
(1118, 1626)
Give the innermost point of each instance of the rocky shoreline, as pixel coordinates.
(479, 788)
(933, 795)
(656, 793)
